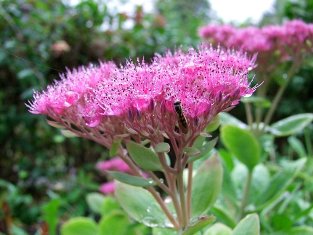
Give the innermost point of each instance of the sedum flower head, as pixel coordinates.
(137, 100)
(273, 43)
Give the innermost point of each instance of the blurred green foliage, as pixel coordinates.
(39, 40)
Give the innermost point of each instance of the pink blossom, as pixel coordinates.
(107, 188)
(72, 87)
(115, 164)
(106, 102)
(273, 43)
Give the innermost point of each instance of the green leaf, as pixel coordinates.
(227, 119)
(138, 229)
(114, 224)
(199, 142)
(297, 146)
(25, 73)
(95, 201)
(144, 157)
(16, 230)
(214, 124)
(291, 125)
(109, 205)
(250, 225)
(54, 124)
(218, 229)
(50, 214)
(260, 180)
(257, 101)
(162, 148)
(281, 221)
(228, 189)
(79, 225)
(199, 224)
(227, 158)
(191, 151)
(140, 205)
(163, 231)
(207, 184)
(243, 144)
(205, 147)
(303, 230)
(115, 147)
(222, 215)
(279, 183)
(130, 179)
(68, 133)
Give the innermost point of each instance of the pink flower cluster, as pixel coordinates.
(114, 164)
(273, 43)
(106, 102)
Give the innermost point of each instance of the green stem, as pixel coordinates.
(181, 191)
(261, 92)
(245, 194)
(249, 114)
(159, 183)
(171, 178)
(154, 193)
(189, 188)
(279, 94)
(163, 206)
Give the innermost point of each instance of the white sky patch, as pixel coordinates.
(129, 6)
(238, 11)
(122, 6)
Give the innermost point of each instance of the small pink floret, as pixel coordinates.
(107, 188)
(114, 164)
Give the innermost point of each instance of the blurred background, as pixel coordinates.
(41, 39)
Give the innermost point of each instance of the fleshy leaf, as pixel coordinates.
(243, 144)
(68, 133)
(140, 205)
(250, 225)
(163, 231)
(79, 225)
(114, 224)
(115, 147)
(200, 224)
(257, 101)
(54, 124)
(218, 229)
(144, 157)
(291, 125)
(227, 119)
(95, 201)
(297, 146)
(204, 147)
(303, 230)
(191, 151)
(279, 183)
(213, 125)
(50, 214)
(207, 184)
(131, 179)
(162, 147)
(109, 206)
(222, 215)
